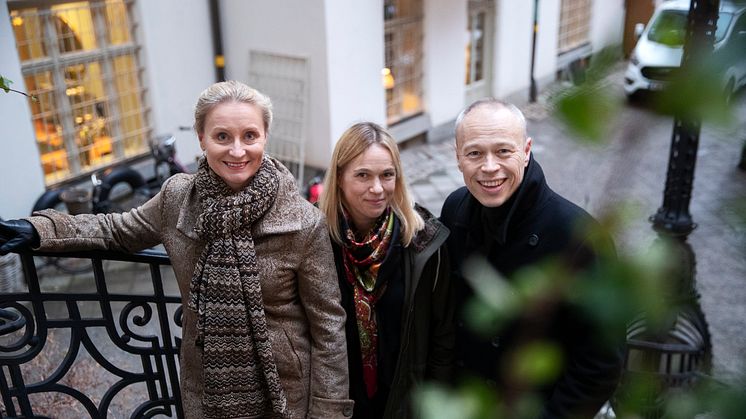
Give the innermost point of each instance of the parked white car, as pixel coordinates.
(660, 46)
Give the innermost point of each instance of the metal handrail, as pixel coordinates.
(142, 327)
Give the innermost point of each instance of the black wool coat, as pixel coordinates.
(534, 226)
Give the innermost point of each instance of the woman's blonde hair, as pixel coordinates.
(230, 91)
(351, 144)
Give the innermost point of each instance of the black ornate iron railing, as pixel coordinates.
(121, 348)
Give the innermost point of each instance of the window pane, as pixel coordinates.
(478, 36)
(127, 86)
(394, 9)
(47, 126)
(575, 17)
(403, 54)
(85, 92)
(28, 29)
(74, 27)
(118, 22)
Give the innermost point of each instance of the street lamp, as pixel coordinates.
(672, 356)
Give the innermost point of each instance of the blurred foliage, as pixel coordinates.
(697, 93)
(618, 289)
(588, 106)
(646, 285)
(472, 400)
(736, 210)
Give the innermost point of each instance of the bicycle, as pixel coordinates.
(129, 186)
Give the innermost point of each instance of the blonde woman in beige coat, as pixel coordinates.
(237, 227)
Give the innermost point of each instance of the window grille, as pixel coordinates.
(575, 18)
(403, 58)
(80, 61)
(285, 80)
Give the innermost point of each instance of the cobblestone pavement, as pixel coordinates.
(629, 169)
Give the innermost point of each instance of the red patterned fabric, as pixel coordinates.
(362, 260)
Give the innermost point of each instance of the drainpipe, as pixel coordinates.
(217, 40)
(532, 88)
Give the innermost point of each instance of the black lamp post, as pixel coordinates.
(674, 355)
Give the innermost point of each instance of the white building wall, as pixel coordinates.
(547, 43)
(514, 22)
(607, 23)
(290, 27)
(512, 57)
(178, 61)
(354, 38)
(445, 40)
(21, 176)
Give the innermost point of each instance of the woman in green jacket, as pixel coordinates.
(393, 274)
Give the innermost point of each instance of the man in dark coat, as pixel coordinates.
(508, 216)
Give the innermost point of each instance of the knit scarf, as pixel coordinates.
(362, 260)
(240, 376)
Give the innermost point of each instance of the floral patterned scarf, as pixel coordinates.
(362, 260)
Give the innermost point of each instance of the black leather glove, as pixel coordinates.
(17, 235)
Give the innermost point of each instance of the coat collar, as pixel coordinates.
(432, 235)
(282, 216)
(530, 193)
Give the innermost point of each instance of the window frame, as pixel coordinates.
(574, 25)
(105, 55)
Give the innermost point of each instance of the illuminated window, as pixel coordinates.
(575, 18)
(477, 46)
(80, 60)
(402, 75)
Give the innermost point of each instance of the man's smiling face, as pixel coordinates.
(492, 151)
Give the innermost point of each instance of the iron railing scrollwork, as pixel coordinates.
(141, 330)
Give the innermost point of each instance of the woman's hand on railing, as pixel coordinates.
(16, 235)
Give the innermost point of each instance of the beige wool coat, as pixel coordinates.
(298, 278)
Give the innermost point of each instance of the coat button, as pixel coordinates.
(347, 411)
(533, 240)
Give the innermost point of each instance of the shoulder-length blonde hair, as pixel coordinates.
(351, 144)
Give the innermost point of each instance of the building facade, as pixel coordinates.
(110, 75)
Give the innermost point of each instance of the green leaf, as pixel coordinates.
(587, 110)
(5, 84)
(537, 363)
(471, 400)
